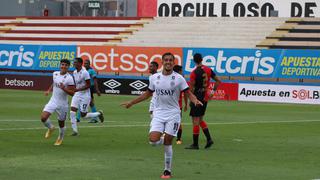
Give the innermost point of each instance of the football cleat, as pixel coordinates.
(209, 144)
(166, 175)
(49, 132)
(179, 142)
(192, 146)
(74, 134)
(58, 142)
(93, 121)
(101, 117)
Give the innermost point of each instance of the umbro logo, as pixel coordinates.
(112, 84)
(138, 85)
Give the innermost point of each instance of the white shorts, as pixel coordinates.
(81, 102)
(61, 110)
(169, 126)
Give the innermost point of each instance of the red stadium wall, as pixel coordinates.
(147, 8)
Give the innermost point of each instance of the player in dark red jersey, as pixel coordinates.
(199, 85)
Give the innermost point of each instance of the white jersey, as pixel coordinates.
(58, 95)
(151, 106)
(167, 89)
(80, 80)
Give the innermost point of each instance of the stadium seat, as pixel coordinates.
(68, 30)
(204, 32)
(296, 33)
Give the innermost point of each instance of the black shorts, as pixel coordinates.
(198, 111)
(92, 90)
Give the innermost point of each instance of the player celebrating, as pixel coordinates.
(94, 88)
(82, 97)
(63, 85)
(166, 86)
(199, 85)
(153, 67)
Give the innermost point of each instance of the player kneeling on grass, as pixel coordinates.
(63, 85)
(167, 86)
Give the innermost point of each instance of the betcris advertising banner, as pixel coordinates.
(34, 57)
(257, 63)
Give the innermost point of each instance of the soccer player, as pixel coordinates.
(94, 88)
(178, 69)
(199, 85)
(82, 96)
(166, 86)
(153, 67)
(63, 85)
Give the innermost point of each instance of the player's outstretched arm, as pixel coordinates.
(193, 98)
(49, 90)
(142, 97)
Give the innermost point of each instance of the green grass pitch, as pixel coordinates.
(253, 141)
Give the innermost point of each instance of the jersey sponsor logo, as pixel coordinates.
(112, 84)
(165, 92)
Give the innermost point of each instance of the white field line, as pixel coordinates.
(148, 124)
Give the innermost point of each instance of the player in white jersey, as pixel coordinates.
(82, 96)
(166, 86)
(153, 67)
(63, 85)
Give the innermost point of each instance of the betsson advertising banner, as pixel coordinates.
(237, 8)
(106, 59)
(257, 63)
(34, 57)
(279, 93)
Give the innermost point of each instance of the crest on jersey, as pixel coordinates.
(173, 77)
(158, 77)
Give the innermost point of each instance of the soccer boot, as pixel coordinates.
(209, 144)
(166, 175)
(93, 121)
(74, 133)
(101, 117)
(58, 142)
(49, 132)
(192, 146)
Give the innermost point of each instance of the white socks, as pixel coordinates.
(92, 115)
(48, 124)
(167, 157)
(61, 132)
(73, 121)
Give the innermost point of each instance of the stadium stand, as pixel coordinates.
(296, 33)
(68, 30)
(204, 32)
